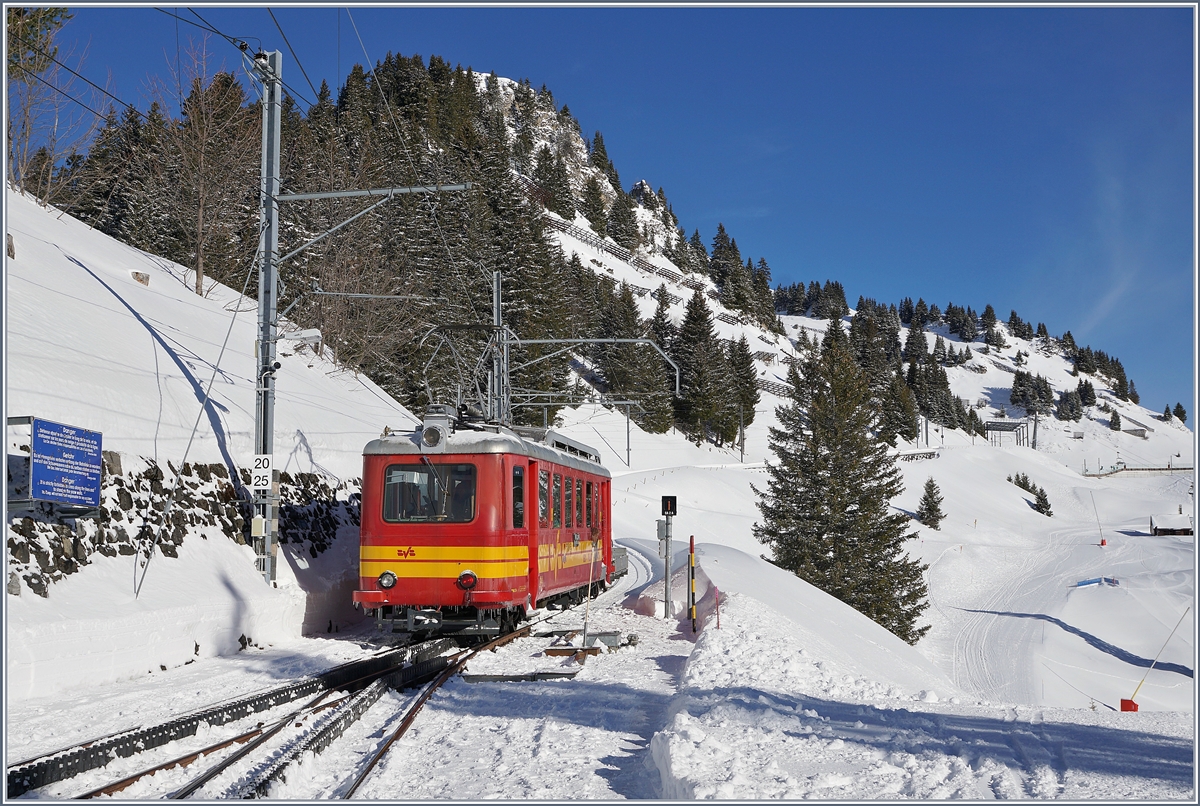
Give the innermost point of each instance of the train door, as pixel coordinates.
(516, 522)
(604, 527)
(536, 514)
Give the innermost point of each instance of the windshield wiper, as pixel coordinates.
(442, 491)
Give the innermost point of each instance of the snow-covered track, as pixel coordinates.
(453, 667)
(332, 726)
(66, 763)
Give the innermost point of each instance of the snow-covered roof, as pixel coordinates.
(1171, 521)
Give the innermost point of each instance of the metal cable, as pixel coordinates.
(303, 72)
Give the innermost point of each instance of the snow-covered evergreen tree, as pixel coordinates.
(929, 511)
(825, 511)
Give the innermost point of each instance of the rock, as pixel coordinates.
(14, 584)
(37, 584)
(112, 463)
(18, 550)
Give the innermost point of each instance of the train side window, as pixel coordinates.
(589, 504)
(544, 498)
(518, 492)
(578, 502)
(569, 502)
(556, 501)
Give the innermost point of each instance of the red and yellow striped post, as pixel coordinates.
(692, 576)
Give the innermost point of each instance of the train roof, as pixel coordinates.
(536, 443)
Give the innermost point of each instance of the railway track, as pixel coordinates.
(320, 721)
(269, 748)
(66, 763)
(453, 667)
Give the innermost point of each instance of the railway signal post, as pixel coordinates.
(669, 510)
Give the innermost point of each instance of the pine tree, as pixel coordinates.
(1087, 392)
(550, 174)
(916, 347)
(737, 292)
(622, 225)
(825, 512)
(1042, 503)
(1114, 422)
(704, 394)
(699, 253)
(988, 319)
(722, 260)
(592, 206)
(929, 511)
(745, 378)
(1134, 397)
(1166, 415)
(1180, 413)
(939, 350)
(1069, 407)
(920, 316)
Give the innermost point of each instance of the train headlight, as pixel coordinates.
(467, 580)
(387, 580)
(432, 436)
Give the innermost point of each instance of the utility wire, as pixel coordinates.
(240, 44)
(293, 52)
(83, 78)
(243, 47)
(68, 97)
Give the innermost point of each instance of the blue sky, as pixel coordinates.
(1038, 159)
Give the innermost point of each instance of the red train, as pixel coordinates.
(467, 526)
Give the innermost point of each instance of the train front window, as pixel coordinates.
(427, 492)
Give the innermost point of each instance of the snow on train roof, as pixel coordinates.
(552, 446)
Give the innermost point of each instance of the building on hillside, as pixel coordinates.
(1171, 525)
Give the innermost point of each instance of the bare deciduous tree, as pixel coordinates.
(214, 149)
(48, 119)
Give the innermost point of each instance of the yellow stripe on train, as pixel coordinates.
(557, 557)
(444, 570)
(455, 553)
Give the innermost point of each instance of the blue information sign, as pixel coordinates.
(65, 465)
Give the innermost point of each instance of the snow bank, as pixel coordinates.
(764, 712)
(92, 630)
